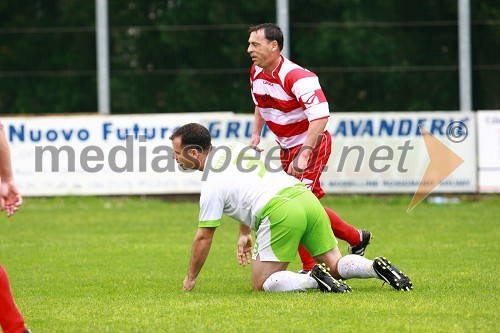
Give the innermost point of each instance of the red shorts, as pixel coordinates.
(317, 162)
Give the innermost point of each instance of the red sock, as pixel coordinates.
(307, 261)
(342, 230)
(10, 317)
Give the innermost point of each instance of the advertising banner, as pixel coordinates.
(91, 155)
(132, 154)
(387, 153)
(488, 129)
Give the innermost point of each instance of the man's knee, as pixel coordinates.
(331, 259)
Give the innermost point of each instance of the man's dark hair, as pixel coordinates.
(194, 136)
(271, 32)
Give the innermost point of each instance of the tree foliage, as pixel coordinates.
(190, 56)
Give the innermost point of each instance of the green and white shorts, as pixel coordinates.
(293, 217)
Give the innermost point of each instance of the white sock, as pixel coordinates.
(354, 266)
(289, 281)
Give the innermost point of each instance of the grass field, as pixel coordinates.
(117, 265)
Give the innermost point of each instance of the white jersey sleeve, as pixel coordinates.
(211, 208)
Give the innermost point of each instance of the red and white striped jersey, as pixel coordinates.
(288, 100)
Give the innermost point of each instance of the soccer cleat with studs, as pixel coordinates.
(359, 249)
(391, 274)
(326, 282)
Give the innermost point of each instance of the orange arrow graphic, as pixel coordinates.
(442, 162)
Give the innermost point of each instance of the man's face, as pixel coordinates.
(261, 50)
(186, 157)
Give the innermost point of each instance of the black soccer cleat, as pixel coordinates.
(326, 282)
(359, 249)
(391, 274)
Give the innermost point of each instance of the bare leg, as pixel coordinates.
(351, 266)
(261, 270)
(331, 259)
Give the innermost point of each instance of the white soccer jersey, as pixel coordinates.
(231, 188)
(288, 100)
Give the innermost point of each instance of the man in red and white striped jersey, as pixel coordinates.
(289, 99)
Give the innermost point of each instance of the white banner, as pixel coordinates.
(488, 126)
(89, 154)
(386, 153)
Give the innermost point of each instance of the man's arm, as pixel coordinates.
(201, 248)
(5, 164)
(10, 198)
(258, 125)
(314, 133)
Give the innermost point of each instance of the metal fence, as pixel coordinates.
(384, 64)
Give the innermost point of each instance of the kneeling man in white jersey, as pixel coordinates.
(239, 182)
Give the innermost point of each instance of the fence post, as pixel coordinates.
(102, 53)
(282, 19)
(465, 69)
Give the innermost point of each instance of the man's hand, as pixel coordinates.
(10, 198)
(254, 142)
(299, 163)
(244, 253)
(189, 283)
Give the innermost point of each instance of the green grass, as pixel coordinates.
(117, 265)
